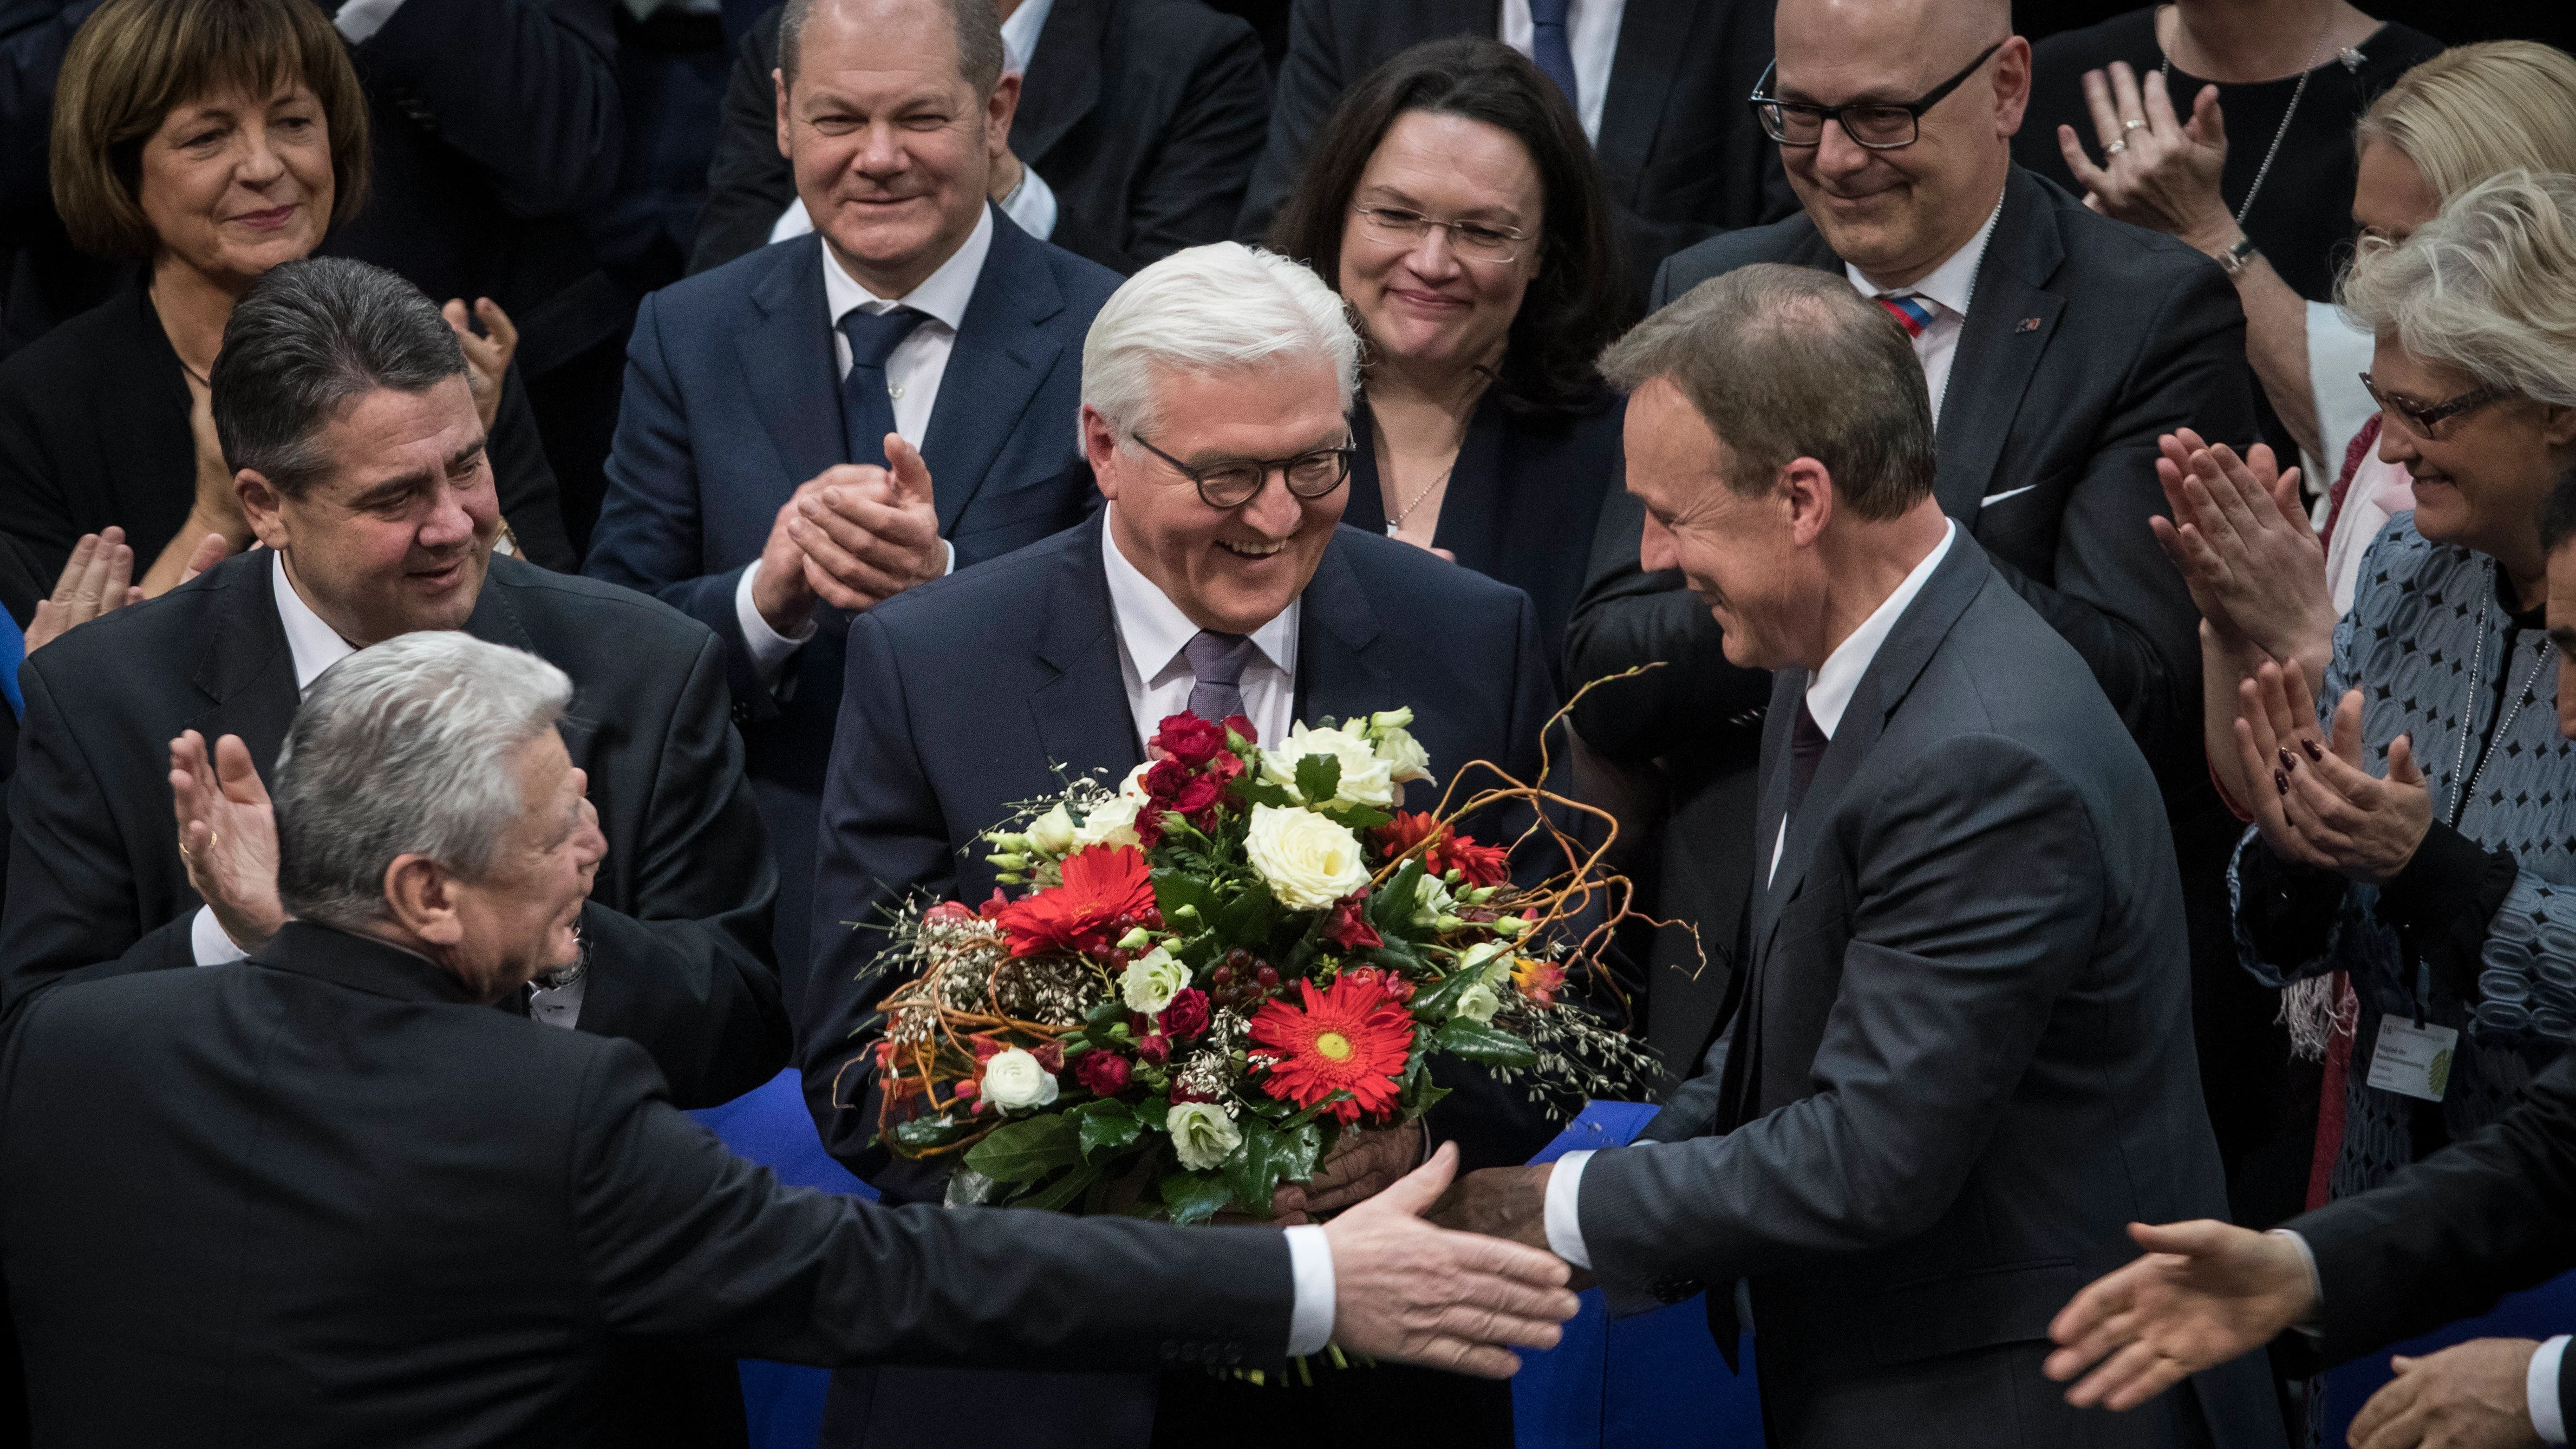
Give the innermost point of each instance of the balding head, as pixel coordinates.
(977, 25)
(1897, 214)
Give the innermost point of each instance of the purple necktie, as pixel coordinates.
(1216, 669)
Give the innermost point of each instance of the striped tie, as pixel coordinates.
(1910, 309)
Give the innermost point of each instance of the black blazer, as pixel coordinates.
(1679, 150)
(1962, 1057)
(1143, 116)
(317, 1199)
(94, 431)
(678, 920)
(1524, 498)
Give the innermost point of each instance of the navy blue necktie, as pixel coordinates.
(1549, 48)
(867, 409)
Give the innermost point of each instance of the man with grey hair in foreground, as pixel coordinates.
(1217, 580)
(1960, 1054)
(325, 1196)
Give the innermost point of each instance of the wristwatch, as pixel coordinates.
(2232, 260)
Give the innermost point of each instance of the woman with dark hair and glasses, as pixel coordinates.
(1453, 202)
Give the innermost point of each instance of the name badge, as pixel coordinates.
(2413, 1060)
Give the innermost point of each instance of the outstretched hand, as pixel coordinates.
(2204, 1293)
(1413, 1293)
(227, 836)
(2158, 170)
(2471, 1395)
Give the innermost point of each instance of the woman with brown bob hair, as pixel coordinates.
(206, 141)
(1453, 202)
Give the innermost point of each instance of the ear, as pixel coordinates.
(999, 108)
(1807, 491)
(778, 79)
(2558, 426)
(420, 896)
(263, 507)
(1099, 449)
(2012, 86)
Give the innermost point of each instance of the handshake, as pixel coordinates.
(853, 536)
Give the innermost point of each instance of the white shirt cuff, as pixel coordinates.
(2315, 1315)
(2540, 1387)
(1310, 1266)
(207, 939)
(1033, 205)
(769, 648)
(1564, 1222)
(360, 19)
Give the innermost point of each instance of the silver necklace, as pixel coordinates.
(2469, 712)
(2316, 53)
(1434, 486)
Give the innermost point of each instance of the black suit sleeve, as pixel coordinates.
(526, 480)
(1310, 83)
(686, 972)
(748, 182)
(1188, 194)
(2448, 1236)
(526, 89)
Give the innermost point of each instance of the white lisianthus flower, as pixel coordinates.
(1202, 1134)
(1151, 981)
(1052, 833)
(1433, 903)
(1479, 1003)
(1405, 758)
(1493, 958)
(1013, 1080)
(1112, 822)
(1366, 779)
(1308, 862)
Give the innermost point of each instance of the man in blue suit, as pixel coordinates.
(785, 415)
(1217, 580)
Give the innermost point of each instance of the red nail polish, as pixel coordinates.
(2288, 760)
(2281, 781)
(2311, 747)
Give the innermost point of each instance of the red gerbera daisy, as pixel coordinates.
(1350, 1038)
(1101, 885)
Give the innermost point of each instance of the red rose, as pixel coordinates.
(1104, 1072)
(1243, 727)
(1149, 824)
(1225, 766)
(1199, 798)
(1184, 1092)
(1154, 1047)
(1189, 739)
(1167, 779)
(1350, 930)
(1186, 1015)
(1050, 1055)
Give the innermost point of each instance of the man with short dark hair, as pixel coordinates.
(1959, 1060)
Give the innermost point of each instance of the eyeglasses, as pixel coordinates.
(2428, 420)
(1234, 482)
(1877, 125)
(1473, 241)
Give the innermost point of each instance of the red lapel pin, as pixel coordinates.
(2027, 324)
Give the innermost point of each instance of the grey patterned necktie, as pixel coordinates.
(1216, 666)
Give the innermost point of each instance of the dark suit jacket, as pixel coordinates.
(319, 1199)
(94, 430)
(678, 920)
(1679, 150)
(733, 400)
(1962, 1058)
(1144, 116)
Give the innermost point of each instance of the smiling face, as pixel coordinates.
(517, 920)
(397, 532)
(2480, 485)
(1421, 301)
(1737, 552)
(892, 148)
(1231, 570)
(234, 184)
(1898, 214)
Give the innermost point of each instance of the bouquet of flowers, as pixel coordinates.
(1221, 964)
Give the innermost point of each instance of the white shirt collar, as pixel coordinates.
(943, 294)
(1020, 33)
(1155, 631)
(1953, 284)
(316, 645)
(1830, 692)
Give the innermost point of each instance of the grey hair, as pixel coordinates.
(980, 56)
(1222, 307)
(2484, 287)
(404, 749)
(308, 337)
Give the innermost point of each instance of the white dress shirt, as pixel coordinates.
(1153, 633)
(913, 372)
(315, 646)
(1591, 33)
(359, 20)
(1829, 693)
(1949, 288)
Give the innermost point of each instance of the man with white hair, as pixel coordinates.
(1218, 580)
(355, 1206)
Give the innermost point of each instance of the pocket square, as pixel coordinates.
(1994, 498)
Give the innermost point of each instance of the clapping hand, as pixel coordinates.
(2245, 550)
(96, 581)
(2472, 1395)
(1407, 1291)
(869, 533)
(2204, 1293)
(2158, 171)
(487, 354)
(2324, 808)
(227, 836)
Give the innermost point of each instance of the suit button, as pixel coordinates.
(1672, 1288)
(741, 712)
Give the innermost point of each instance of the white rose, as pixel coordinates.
(1308, 862)
(1013, 1080)
(1479, 1003)
(1366, 779)
(1133, 787)
(1433, 903)
(1405, 759)
(1202, 1134)
(1151, 981)
(1052, 833)
(1111, 822)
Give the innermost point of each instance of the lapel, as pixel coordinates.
(1002, 355)
(1883, 688)
(788, 362)
(1996, 358)
(1063, 81)
(1654, 40)
(1475, 530)
(1335, 674)
(1080, 702)
(245, 671)
(496, 620)
(1786, 686)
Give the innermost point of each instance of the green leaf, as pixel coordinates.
(1247, 919)
(1478, 1042)
(1424, 1097)
(1253, 790)
(1027, 1150)
(1252, 1169)
(1174, 889)
(1195, 1197)
(1300, 1148)
(1391, 906)
(1355, 815)
(1397, 954)
(1152, 1112)
(1318, 776)
(1440, 1000)
(1055, 1195)
(1109, 1123)
(1106, 1014)
(919, 1133)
